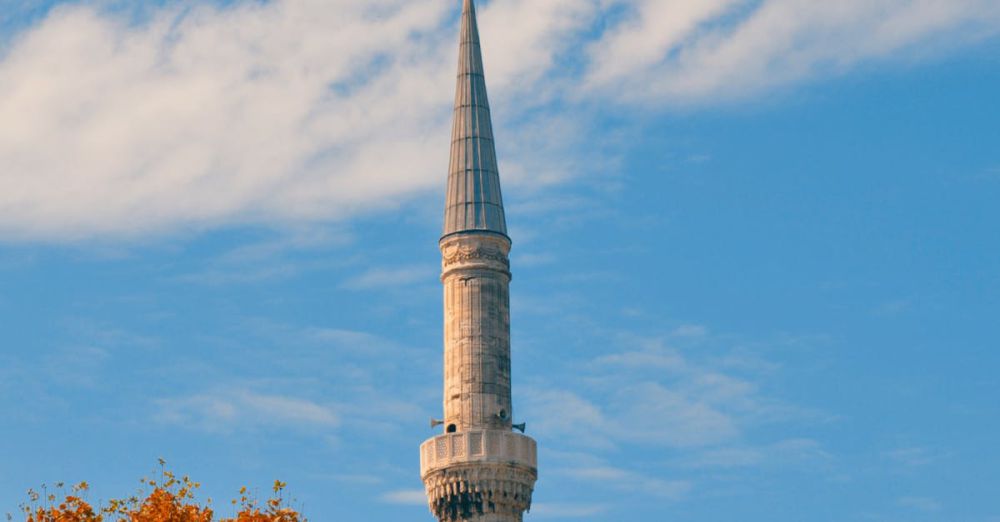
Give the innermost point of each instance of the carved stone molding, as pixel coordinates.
(475, 252)
(463, 255)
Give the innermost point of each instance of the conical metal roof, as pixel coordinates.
(473, 202)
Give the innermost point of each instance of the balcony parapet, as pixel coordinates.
(477, 446)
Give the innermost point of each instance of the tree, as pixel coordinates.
(170, 499)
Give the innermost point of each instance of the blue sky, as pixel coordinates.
(756, 254)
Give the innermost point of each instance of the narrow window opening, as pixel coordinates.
(452, 428)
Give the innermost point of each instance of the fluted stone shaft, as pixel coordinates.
(476, 277)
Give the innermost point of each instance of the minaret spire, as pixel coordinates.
(479, 469)
(474, 201)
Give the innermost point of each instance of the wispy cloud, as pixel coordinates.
(87, 359)
(318, 379)
(215, 115)
(352, 340)
(728, 458)
(623, 479)
(287, 112)
(283, 253)
(229, 410)
(690, 330)
(534, 259)
(564, 412)
(407, 497)
(912, 457)
(376, 278)
(893, 308)
(572, 510)
(688, 400)
(590, 469)
(661, 395)
(925, 504)
(76, 365)
(674, 51)
(784, 453)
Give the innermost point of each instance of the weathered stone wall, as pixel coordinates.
(476, 277)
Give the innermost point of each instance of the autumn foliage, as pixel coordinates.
(169, 499)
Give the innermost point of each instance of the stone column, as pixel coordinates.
(476, 278)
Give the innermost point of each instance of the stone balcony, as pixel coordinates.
(477, 446)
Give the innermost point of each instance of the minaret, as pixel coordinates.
(479, 469)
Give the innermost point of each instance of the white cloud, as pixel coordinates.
(728, 458)
(76, 365)
(226, 410)
(800, 450)
(566, 510)
(783, 453)
(351, 340)
(690, 330)
(679, 51)
(396, 277)
(681, 408)
(912, 457)
(271, 258)
(653, 395)
(407, 497)
(650, 31)
(665, 359)
(258, 112)
(652, 413)
(544, 31)
(310, 110)
(565, 414)
(622, 479)
(925, 504)
(358, 373)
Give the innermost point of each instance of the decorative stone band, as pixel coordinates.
(478, 254)
(481, 476)
(467, 447)
(474, 251)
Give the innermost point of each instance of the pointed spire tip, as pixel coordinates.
(474, 202)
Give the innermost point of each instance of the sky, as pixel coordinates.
(756, 251)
